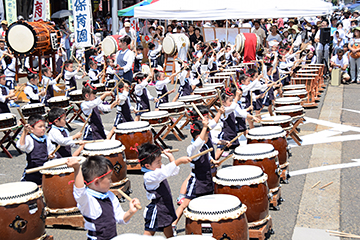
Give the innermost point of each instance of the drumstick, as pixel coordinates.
(202, 153)
(171, 150)
(22, 116)
(129, 198)
(20, 89)
(87, 120)
(198, 112)
(69, 89)
(144, 110)
(56, 149)
(117, 84)
(232, 140)
(164, 95)
(230, 156)
(251, 102)
(37, 169)
(219, 95)
(234, 80)
(80, 67)
(261, 114)
(326, 185)
(315, 184)
(274, 84)
(266, 120)
(90, 141)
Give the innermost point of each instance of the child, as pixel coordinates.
(228, 123)
(32, 90)
(60, 59)
(8, 66)
(123, 113)
(36, 146)
(5, 95)
(110, 71)
(161, 87)
(58, 134)
(47, 79)
(160, 213)
(138, 58)
(94, 73)
(99, 206)
(153, 54)
(200, 182)
(142, 95)
(70, 76)
(93, 105)
(185, 88)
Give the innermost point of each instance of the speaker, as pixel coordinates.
(325, 35)
(336, 77)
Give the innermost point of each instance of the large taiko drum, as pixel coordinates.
(240, 42)
(173, 108)
(156, 118)
(283, 121)
(76, 96)
(114, 151)
(286, 101)
(132, 135)
(221, 216)
(294, 87)
(196, 99)
(249, 184)
(262, 155)
(58, 187)
(302, 94)
(274, 135)
(174, 43)
(7, 120)
(205, 92)
(22, 213)
(25, 38)
(295, 111)
(59, 101)
(110, 44)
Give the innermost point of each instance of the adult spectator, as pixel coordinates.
(124, 59)
(108, 24)
(3, 29)
(169, 30)
(196, 38)
(127, 30)
(322, 51)
(312, 34)
(354, 47)
(338, 61)
(273, 35)
(259, 31)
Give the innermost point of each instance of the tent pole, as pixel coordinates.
(226, 41)
(115, 18)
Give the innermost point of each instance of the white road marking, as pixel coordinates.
(356, 163)
(350, 110)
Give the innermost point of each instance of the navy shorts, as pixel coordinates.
(151, 220)
(119, 119)
(191, 189)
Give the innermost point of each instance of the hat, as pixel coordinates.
(355, 28)
(4, 22)
(127, 24)
(294, 27)
(357, 12)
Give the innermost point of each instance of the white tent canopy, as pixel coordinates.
(231, 9)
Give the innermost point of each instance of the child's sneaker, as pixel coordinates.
(225, 154)
(174, 230)
(179, 200)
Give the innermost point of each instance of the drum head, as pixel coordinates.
(154, 115)
(145, 69)
(189, 98)
(278, 119)
(268, 132)
(291, 108)
(295, 92)
(137, 126)
(169, 45)
(21, 38)
(288, 100)
(109, 46)
(240, 175)
(255, 151)
(76, 92)
(204, 90)
(295, 86)
(171, 105)
(238, 42)
(33, 105)
(107, 147)
(4, 116)
(18, 192)
(212, 208)
(58, 99)
(60, 169)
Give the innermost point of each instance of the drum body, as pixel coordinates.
(196, 99)
(283, 121)
(173, 108)
(240, 42)
(156, 118)
(34, 108)
(40, 37)
(22, 214)
(205, 92)
(262, 155)
(110, 44)
(209, 215)
(58, 187)
(7, 120)
(100, 87)
(111, 83)
(76, 96)
(296, 93)
(112, 150)
(172, 43)
(286, 101)
(294, 111)
(274, 135)
(249, 184)
(294, 87)
(60, 102)
(133, 134)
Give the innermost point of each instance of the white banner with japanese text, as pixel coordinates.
(11, 15)
(39, 13)
(82, 23)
